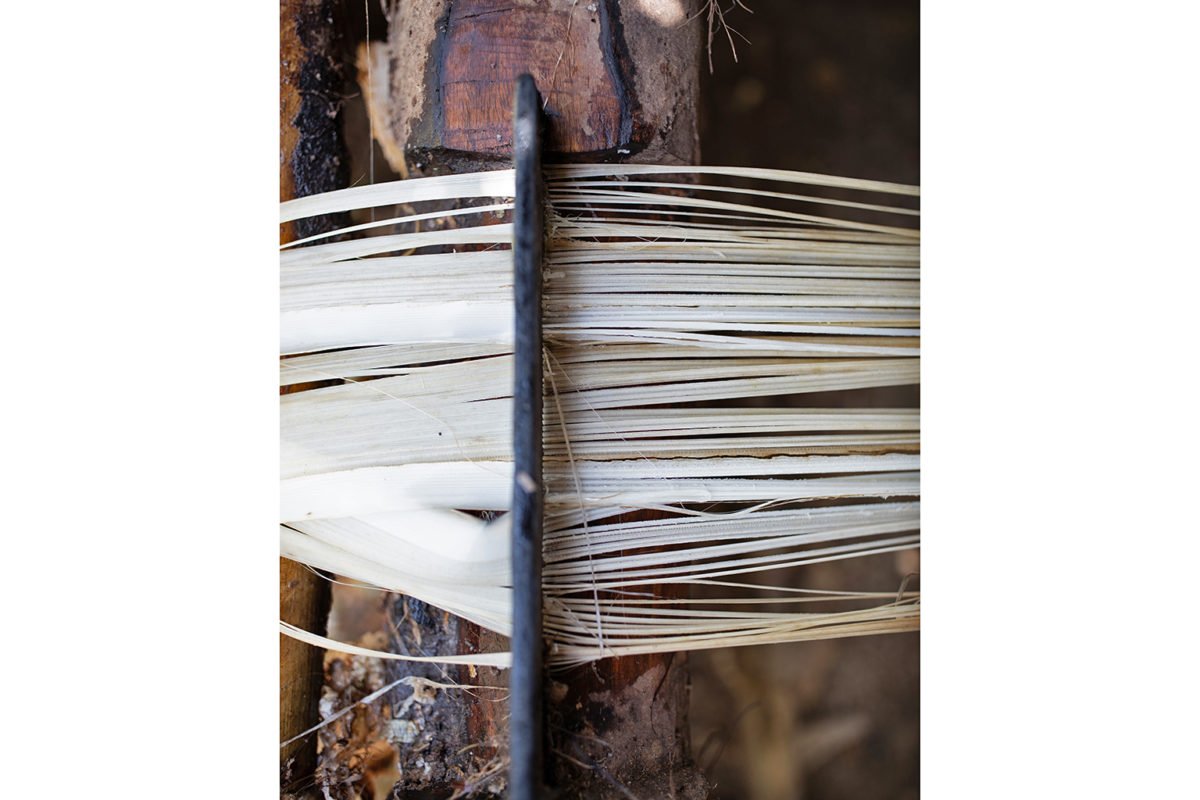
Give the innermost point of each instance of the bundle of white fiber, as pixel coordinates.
(684, 323)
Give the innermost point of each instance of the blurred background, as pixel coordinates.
(827, 86)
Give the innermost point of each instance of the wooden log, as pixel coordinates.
(311, 160)
(620, 82)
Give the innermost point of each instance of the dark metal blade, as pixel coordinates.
(525, 726)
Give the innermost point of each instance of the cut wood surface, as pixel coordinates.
(619, 80)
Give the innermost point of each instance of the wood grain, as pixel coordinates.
(619, 79)
(303, 601)
(489, 43)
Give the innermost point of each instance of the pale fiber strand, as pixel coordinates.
(501, 660)
(579, 171)
(498, 183)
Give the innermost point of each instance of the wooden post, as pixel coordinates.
(620, 81)
(311, 160)
(304, 601)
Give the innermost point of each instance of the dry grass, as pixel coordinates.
(715, 16)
